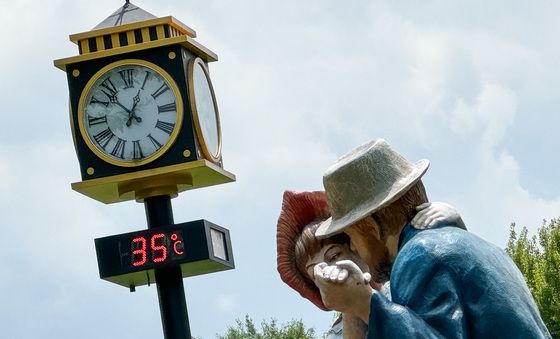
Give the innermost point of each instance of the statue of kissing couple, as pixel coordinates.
(374, 224)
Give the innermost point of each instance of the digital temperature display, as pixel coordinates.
(130, 259)
(156, 249)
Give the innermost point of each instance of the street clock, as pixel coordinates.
(143, 110)
(146, 126)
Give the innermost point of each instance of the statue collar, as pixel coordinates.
(406, 234)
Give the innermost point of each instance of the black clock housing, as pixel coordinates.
(91, 166)
(172, 164)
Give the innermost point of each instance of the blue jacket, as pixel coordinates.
(449, 283)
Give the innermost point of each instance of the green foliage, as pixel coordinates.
(538, 259)
(295, 329)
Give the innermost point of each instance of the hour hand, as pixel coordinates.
(136, 98)
(135, 101)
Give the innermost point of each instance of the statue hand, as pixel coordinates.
(433, 213)
(344, 287)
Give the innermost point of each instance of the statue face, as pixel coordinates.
(365, 240)
(330, 254)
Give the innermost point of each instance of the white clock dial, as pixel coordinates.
(131, 112)
(205, 109)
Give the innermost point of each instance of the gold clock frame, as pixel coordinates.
(174, 133)
(196, 118)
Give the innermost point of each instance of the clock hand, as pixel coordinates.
(122, 106)
(115, 100)
(131, 113)
(131, 116)
(135, 100)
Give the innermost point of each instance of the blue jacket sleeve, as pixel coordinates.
(426, 301)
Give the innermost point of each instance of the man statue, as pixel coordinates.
(445, 281)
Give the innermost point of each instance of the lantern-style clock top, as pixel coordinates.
(131, 28)
(143, 111)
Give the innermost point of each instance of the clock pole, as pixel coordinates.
(169, 280)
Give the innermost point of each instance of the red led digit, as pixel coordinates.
(139, 254)
(161, 248)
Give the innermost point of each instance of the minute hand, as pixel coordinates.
(115, 100)
(122, 106)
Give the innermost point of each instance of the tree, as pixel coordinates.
(295, 329)
(538, 259)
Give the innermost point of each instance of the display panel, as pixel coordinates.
(130, 259)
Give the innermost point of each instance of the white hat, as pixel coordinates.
(365, 180)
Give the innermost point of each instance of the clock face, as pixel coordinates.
(205, 109)
(130, 112)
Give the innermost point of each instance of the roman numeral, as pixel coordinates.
(104, 137)
(127, 76)
(96, 121)
(137, 150)
(145, 79)
(110, 87)
(167, 108)
(95, 101)
(164, 88)
(156, 144)
(118, 150)
(165, 126)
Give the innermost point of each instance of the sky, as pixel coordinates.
(470, 85)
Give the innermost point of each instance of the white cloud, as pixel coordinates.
(505, 200)
(496, 179)
(492, 113)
